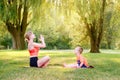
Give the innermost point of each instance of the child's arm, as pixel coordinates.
(80, 65)
(81, 61)
(86, 63)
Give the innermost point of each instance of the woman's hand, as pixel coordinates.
(41, 38)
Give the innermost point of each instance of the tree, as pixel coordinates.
(15, 15)
(92, 14)
(112, 24)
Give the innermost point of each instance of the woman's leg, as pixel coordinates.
(43, 61)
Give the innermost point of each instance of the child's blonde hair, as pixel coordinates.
(79, 49)
(27, 35)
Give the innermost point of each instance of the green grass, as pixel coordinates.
(12, 66)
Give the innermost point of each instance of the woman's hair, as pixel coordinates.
(27, 35)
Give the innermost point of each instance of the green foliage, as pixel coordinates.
(89, 9)
(62, 21)
(6, 41)
(55, 37)
(5, 38)
(112, 26)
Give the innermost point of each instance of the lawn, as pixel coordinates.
(14, 65)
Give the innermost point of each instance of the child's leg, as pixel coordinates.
(70, 65)
(43, 62)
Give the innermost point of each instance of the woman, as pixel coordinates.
(33, 48)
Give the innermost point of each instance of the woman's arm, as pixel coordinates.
(42, 44)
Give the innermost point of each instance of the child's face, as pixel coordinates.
(77, 50)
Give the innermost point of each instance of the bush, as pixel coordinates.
(6, 41)
(2, 47)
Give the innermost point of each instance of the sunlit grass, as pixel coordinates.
(13, 66)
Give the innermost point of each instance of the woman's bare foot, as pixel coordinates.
(64, 64)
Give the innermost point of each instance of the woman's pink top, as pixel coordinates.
(34, 51)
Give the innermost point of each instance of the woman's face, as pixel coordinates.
(32, 36)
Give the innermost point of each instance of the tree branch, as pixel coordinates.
(24, 19)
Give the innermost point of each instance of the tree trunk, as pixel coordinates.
(94, 46)
(18, 41)
(17, 36)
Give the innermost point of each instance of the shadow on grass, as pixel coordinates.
(55, 65)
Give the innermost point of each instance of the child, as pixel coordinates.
(33, 49)
(81, 61)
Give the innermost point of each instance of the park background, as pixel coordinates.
(65, 24)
